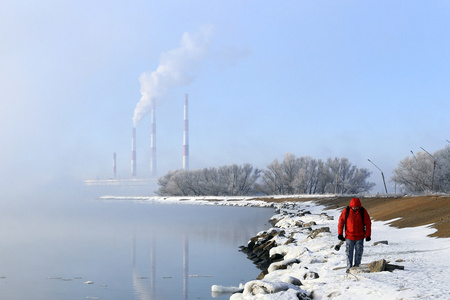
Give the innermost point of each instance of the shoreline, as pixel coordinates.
(404, 211)
(299, 260)
(302, 262)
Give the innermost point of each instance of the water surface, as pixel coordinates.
(128, 250)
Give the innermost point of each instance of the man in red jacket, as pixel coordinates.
(356, 221)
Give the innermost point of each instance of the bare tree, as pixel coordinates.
(305, 175)
(442, 176)
(230, 180)
(424, 172)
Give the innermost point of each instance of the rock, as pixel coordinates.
(309, 224)
(377, 266)
(258, 248)
(262, 287)
(289, 241)
(334, 294)
(299, 224)
(291, 280)
(391, 268)
(381, 242)
(282, 265)
(311, 275)
(262, 274)
(314, 233)
(276, 257)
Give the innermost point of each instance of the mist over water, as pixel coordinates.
(56, 239)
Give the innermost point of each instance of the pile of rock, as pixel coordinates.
(281, 248)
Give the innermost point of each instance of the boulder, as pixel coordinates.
(377, 266)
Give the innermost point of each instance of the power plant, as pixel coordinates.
(134, 180)
(153, 142)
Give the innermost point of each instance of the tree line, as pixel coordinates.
(424, 172)
(292, 175)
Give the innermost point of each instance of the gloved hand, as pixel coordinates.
(341, 237)
(368, 239)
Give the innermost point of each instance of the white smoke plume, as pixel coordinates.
(175, 69)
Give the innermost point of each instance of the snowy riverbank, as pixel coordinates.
(426, 260)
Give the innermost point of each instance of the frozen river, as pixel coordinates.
(77, 247)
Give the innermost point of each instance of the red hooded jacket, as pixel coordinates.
(354, 228)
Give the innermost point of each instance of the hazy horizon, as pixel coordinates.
(322, 79)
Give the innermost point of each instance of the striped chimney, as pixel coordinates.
(153, 144)
(133, 153)
(186, 135)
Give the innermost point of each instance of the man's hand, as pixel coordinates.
(341, 237)
(368, 239)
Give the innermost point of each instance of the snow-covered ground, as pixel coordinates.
(426, 260)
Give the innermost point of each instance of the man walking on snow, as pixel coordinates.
(356, 221)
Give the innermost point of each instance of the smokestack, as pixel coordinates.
(186, 135)
(153, 144)
(114, 165)
(133, 153)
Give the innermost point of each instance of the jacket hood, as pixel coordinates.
(355, 202)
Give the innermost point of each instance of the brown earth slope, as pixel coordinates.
(413, 211)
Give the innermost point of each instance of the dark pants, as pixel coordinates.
(354, 248)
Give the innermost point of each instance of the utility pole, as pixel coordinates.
(414, 155)
(382, 175)
(434, 168)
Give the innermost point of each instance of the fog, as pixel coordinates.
(304, 78)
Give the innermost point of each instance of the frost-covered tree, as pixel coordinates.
(230, 180)
(442, 176)
(348, 179)
(424, 172)
(305, 175)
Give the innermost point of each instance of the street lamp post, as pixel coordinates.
(382, 175)
(434, 168)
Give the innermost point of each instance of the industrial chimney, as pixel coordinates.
(114, 165)
(133, 153)
(153, 144)
(186, 135)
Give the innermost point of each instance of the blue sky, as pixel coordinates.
(355, 79)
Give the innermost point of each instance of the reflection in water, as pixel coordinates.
(143, 289)
(185, 266)
(95, 240)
